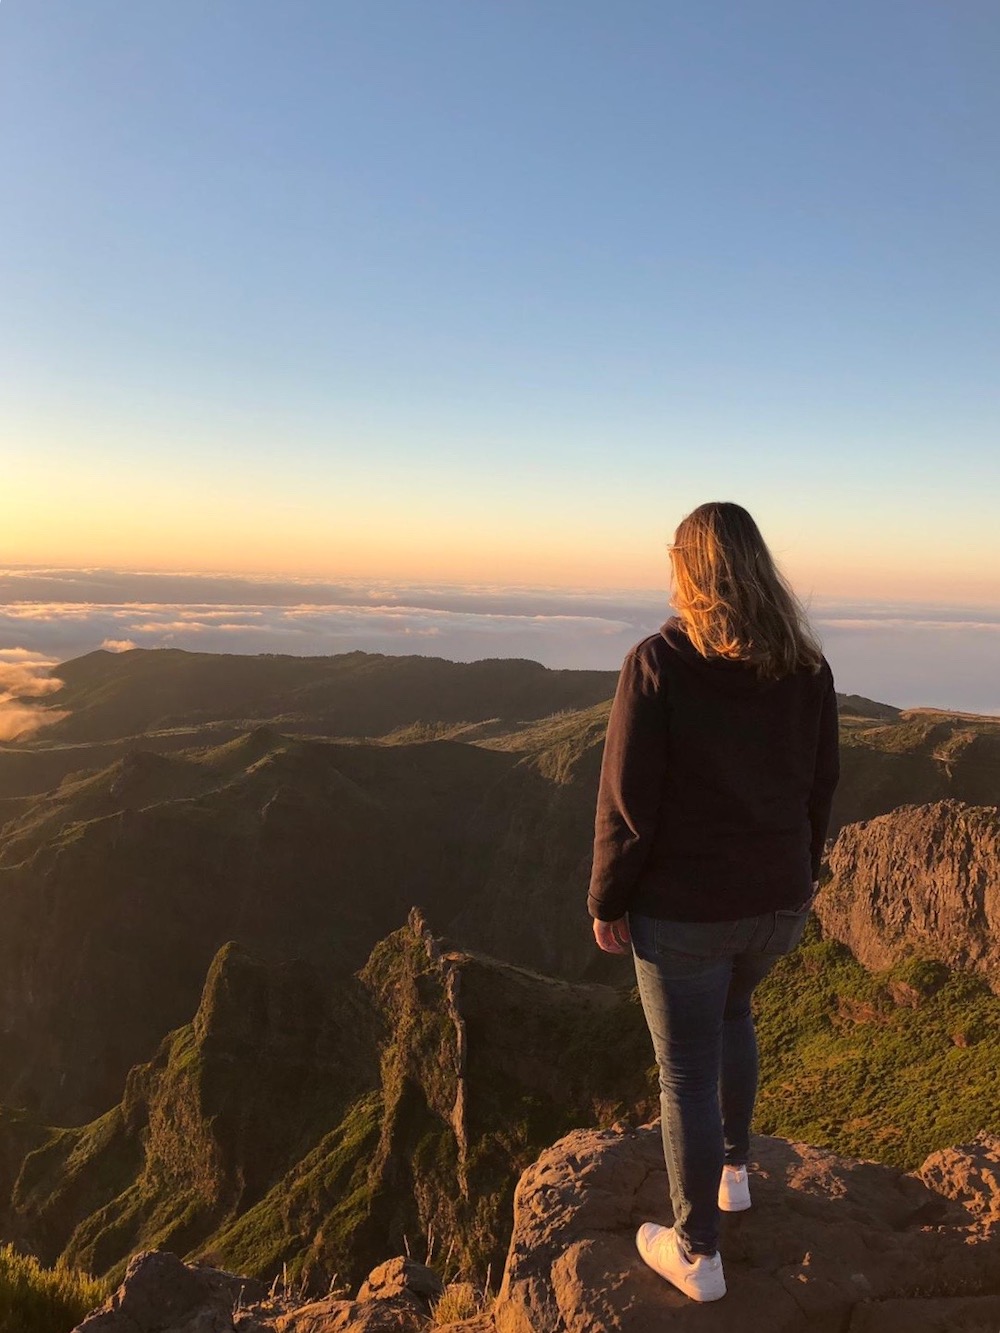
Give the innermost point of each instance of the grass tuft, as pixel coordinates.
(34, 1299)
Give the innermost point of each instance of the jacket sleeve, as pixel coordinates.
(826, 775)
(633, 771)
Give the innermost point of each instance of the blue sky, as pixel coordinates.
(502, 289)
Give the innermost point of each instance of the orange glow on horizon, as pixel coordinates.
(491, 565)
(72, 518)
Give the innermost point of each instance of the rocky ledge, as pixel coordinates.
(830, 1244)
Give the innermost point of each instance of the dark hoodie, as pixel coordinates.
(715, 786)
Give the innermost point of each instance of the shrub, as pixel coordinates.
(34, 1299)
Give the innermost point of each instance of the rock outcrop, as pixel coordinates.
(159, 1292)
(924, 881)
(971, 1176)
(396, 1297)
(831, 1245)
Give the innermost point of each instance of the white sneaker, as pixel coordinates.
(734, 1189)
(699, 1277)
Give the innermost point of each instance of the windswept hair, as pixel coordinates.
(732, 598)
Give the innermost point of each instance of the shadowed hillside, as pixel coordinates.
(119, 887)
(918, 758)
(347, 694)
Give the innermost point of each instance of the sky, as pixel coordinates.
(444, 294)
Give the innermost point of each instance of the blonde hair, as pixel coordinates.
(732, 598)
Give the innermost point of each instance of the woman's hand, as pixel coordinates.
(613, 936)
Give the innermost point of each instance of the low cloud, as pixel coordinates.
(915, 625)
(25, 674)
(567, 633)
(906, 654)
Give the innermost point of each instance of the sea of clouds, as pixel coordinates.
(900, 653)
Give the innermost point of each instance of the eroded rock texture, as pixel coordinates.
(924, 879)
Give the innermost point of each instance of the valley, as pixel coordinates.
(296, 966)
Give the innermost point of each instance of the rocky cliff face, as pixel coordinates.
(923, 880)
(228, 1103)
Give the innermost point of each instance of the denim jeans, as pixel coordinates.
(695, 982)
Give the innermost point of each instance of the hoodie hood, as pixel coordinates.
(725, 673)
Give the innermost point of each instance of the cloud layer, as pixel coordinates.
(900, 653)
(25, 675)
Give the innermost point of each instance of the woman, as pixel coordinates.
(719, 769)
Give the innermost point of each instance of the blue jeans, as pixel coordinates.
(695, 982)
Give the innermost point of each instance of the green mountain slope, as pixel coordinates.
(888, 1065)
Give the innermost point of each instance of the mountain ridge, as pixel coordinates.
(292, 1122)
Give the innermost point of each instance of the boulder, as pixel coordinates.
(401, 1277)
(160, 1294)
(827, 1241)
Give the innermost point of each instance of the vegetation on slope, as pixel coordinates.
(43, 1300)
(889, 1065)
(228, 1105)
